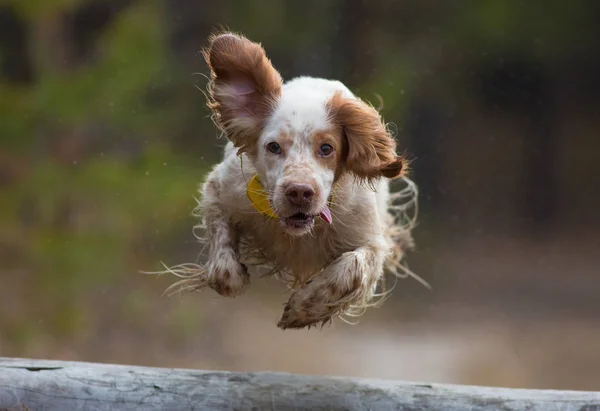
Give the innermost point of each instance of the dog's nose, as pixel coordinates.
(299, 194)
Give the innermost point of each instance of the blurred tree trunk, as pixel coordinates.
(86, 22)
(540, 180)
(354, 62)
(189, 23)
(15, 65)
(52, 49)
(519, 85)
(15, 69)
(62, 41)
(424, 128)
(53, 55)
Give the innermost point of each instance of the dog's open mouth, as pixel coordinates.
(299, 220)
(303, 220)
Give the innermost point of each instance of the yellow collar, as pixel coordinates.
(260, 199)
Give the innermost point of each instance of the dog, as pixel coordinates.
(303, 189)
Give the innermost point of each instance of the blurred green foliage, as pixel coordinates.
(131, 61)
(71, 224)
(101, 154)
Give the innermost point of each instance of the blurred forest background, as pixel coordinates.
(104, 138)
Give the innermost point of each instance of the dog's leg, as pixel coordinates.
(225, 274)
(348, 281)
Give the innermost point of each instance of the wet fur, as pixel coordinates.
(335, 269)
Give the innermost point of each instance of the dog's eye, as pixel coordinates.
(325, 150)
(274, 148)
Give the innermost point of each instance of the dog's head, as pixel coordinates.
(302, 136)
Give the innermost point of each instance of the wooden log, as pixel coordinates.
(57, 385)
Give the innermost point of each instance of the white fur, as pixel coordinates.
(332, 269)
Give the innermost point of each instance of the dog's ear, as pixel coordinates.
(370, 151)
(244, 87)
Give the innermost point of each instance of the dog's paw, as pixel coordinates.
(328, 295)
(316, 303)
(227, 276)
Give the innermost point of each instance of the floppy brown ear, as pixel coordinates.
(370, 149)
(244, 87)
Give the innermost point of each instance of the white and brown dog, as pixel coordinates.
(303, 189)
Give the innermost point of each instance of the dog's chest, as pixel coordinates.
(299, 257)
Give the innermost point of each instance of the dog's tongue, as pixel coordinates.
(326, 215)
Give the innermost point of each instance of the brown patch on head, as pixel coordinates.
(370, 149)
(285, 140)
(244, 87)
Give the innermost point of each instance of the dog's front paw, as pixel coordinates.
(340, 286)
(316, 303)
(227, 276)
